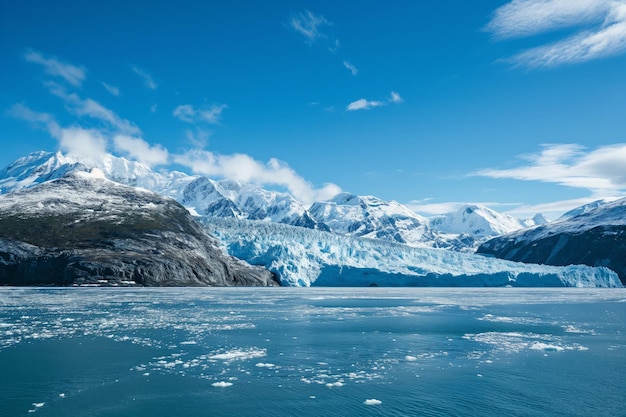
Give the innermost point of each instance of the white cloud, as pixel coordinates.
(187, 113)
(140, 150)
(364, 104)
(350, 67)
(70, 73)
(604, 34)
(601, 171)
(111, 89)
(147, 77)
(244, 168)
(308, 24)
(85, 142)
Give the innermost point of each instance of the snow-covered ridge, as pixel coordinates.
(303, 257)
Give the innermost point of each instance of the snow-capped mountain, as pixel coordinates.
(304, 257)
(595, 236)
(371, 217)
(477, 221)
(345, 214)
(39, 167)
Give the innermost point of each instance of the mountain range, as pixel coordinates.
(345, 214)
(234, 212)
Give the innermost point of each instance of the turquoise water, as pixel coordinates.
(312, 352)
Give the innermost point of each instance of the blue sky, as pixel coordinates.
(519, 105)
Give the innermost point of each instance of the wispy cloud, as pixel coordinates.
(364, 104)
(244, 168)
(309, 25)
(148, 81)
(602, 171)
(111, 89)
(187, 113)
(395, 98)
(350, 67)
(602, 33)
(55, 67)
(199, 138)
(45, 121)
(90, 108)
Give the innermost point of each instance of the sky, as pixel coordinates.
(518, 105)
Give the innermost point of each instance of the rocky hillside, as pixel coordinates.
(82, 229)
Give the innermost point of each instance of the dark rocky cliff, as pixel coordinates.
(82, 229)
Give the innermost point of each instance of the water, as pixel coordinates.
(312, 352)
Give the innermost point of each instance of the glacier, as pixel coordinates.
(305, 257)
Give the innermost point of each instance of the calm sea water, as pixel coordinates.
(312, 352)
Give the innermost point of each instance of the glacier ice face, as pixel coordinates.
(302, 257)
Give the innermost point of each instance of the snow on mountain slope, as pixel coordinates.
(585, 208)
(371, 217)
(229, 198)
(303, 257)
(476, 220)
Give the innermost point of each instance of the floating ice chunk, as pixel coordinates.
(410, 358)
(372, 401)
(222, 384)
(239, 354)
(265, 365)
(546, 346)
(38, 405)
